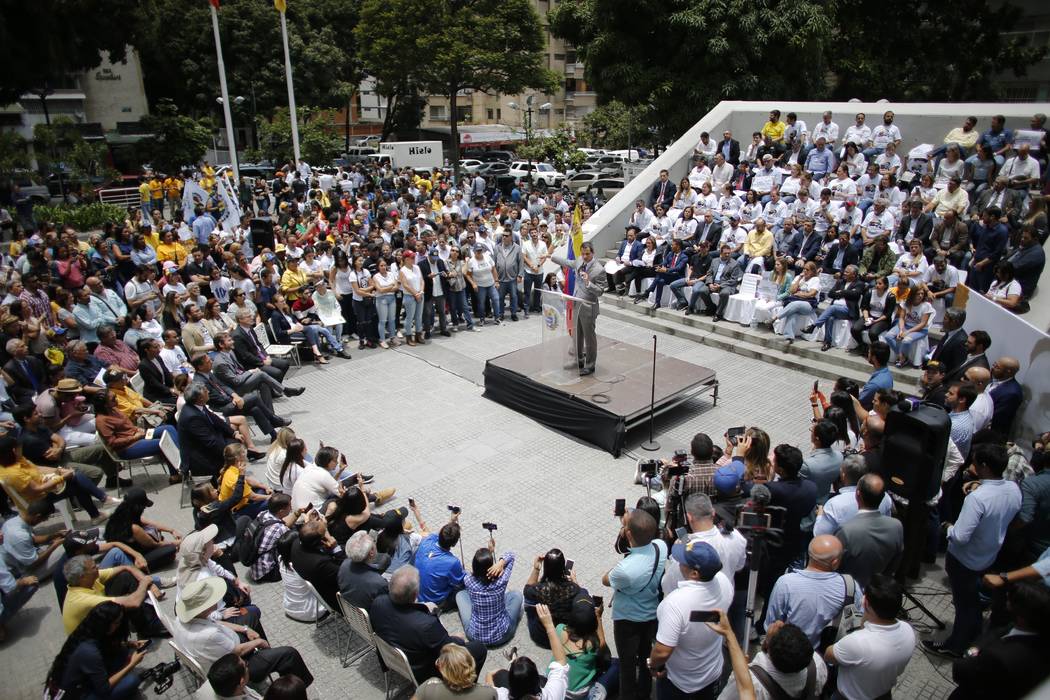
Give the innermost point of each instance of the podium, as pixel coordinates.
(567, 321)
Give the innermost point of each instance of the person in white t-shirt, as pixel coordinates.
(914, 317)
(687, 655)
(871, 659)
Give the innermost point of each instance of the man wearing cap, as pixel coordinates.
(64, 411)
(687, 657)
(207, 640)
(932, 384)
(590, 285)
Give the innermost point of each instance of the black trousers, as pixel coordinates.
(277, 368)
(874, 331)
(143, 619)
(634, 642)
(283, 661)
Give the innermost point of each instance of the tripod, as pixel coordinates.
(914, 541)
(757, 542)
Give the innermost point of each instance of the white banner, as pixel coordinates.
(193, 196)
(231, 213)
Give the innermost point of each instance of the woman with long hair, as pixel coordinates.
(1005, 290)
(216, 320)
(914, 317)
(489, 612)
(293, 464)
(275, 459)
(124, 437)
(352, 512)
(98, 660)
(146, 537)
(552, 584)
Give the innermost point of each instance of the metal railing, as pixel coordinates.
(120, 196)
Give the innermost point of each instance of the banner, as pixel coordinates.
(230, 217)
(193, 196)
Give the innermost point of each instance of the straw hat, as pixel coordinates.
(198, 597)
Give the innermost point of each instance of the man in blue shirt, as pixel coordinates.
(819, 161)
(440, 571)
(821, 466)
(878, 357)
(998, 139)
(973, 544)
(14, 593)
(636, 581)
(203, 225)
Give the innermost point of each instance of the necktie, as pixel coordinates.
(29, 376)
(663, 187)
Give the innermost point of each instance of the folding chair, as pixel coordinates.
(189, 663)
(62, 507)
(130, 464)
(288, 351)
(395, 661)
(360, 624)
(137, 382)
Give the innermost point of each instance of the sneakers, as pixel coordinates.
(384, 495)
(474, 329)
(940, 649)
(166, 582)
(294, 390)
(100, 518)
(383, 344)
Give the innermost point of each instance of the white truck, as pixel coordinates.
(421, 155)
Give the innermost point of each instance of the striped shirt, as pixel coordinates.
(962, 430)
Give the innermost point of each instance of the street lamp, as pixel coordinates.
(526, 122)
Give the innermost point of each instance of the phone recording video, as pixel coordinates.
(620, 507)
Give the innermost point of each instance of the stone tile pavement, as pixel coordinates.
(415, 417)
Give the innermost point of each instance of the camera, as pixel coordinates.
(680, 457)
(162, 675)
(648, 467)
(489, 526)
(455, 510)
(677, 470)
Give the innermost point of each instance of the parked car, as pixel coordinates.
(609, 186)
(542, 173)
(501, 156)
(360, 154)
(470, 165)
(581, 181)
(30, 185)
(253, 170)
(591, 151)
(495, 167)
(371, 141)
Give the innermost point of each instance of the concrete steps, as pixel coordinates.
(758, 343)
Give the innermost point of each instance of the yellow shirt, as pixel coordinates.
(173, 186)
(153, 238)
(144, 191)
(18, 477)
(229, 480)
(758, 243)
(774, 131)
(171, 251)
(127, 401)
(156, 189)
(80, 601)
(290, 280)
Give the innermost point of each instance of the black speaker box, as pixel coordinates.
(262, 233)
(914, 444)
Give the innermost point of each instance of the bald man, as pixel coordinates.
(982, 408)
(813, 597)
(1006, 393)
(873, 542)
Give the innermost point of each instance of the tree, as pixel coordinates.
(62, 147)
(43, 41)
(927, 51)
(453, 45)
(175, 140)
(681, 58)
(177, 49)
(557, 147)
(315, 144)
(614, 125)
(13, 154)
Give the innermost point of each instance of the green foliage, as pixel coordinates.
(679, 58)
(83, 217)
(13, 154)
(44, 40)
(557, 148)
(84, 163)
(176, 140)
(316, 145)
(616, 126)
(175, 42)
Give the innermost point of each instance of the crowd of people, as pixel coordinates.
(162, 330)
(881, 236)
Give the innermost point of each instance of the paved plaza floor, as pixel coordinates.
(416, 418)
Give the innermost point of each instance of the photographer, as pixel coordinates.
(729, 544)
(557, 590)
(687, 656)
(489, 612)
(636, 582)
(98, 660)
(699, 478)
(440, 571)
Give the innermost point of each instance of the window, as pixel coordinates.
(437, 113)
(490, 114)
(499, 114)
(570, 56)
(463, 114)
(559, 57)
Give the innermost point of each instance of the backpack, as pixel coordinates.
(777, 693)
(247, 546)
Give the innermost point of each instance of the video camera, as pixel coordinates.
(163, 675)
(490, 527)
(758, 517)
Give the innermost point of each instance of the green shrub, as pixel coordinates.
(83, 217)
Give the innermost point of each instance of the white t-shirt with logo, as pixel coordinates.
(697, 658)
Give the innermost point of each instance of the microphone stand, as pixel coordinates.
(652, 445)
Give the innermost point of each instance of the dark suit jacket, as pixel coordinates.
(1004, 667)
(734, 150)
(950, 350)
(202, 438)
(712, 236)
(675, 266)
(23, 391)
(923, 228)
(731, 276)
(668, 198)
(157, 382)
(428, 283)
(230, 372)
(247, 348)
(413, 630)
(1012, 201)
(319, 568)
(851, 257)
(956, 375)
(872, 543)
(282, 330)
(810, 246)
(1006, 399)
(851, 292)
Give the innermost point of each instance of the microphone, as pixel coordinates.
(761, 495)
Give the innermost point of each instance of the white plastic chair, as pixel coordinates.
(289, 351)
(137, 382)
(394, 661)
(741, 306)
(361, 625)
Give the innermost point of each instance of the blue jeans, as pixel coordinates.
(872, 153)
(127, 687)
(116, 557)
(902, 348)
(15, 600)
(413, 315)
(461, 309)
(490, 294)
(792, 313)
(508, 287)
(512, 600)
(386, 309)
(314, 333)
(827, 319)
(149, 448)
(81, 489)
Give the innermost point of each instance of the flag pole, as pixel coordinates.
(225, 95)
(291, 89)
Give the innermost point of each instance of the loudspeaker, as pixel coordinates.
(262, 233)
(914, 445)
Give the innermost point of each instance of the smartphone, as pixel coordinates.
(145, 646)
(815, 389)
(620, 507)
(598, 601)
(149, 434)
(734, 433)
(309, 507)
(411, 503)
(703, 616)
(569, 563)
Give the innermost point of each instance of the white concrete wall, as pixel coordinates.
(114, 92)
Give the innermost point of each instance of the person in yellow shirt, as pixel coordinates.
(774, 128)
(144, 197)
(424, 185)
(173, 188)
(293, 281)
(130, 402)
(254, 495)
(758, 244)
(156, 193)
(26, 483)
(89, 587)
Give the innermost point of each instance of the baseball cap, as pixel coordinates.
(75, 539)
(136, 495)
(699, 556)
(934, 366)
(726, 479)
(432, 252)
(408, 254)
(479, 248)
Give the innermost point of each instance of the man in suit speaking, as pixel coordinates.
(590, 283)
